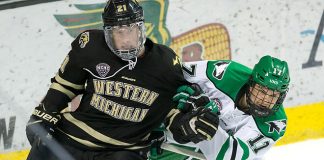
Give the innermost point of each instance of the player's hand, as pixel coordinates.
(192, 97)
(41, 124)
(195, 126)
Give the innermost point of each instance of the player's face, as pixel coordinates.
(126, 37)
(263, 97)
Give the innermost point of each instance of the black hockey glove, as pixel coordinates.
(41, 124)
(192, 97)
(195, 126)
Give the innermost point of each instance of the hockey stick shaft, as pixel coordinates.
(182, 151)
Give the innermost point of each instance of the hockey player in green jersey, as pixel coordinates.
(249, 104)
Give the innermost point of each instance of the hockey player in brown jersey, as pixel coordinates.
(127, 82)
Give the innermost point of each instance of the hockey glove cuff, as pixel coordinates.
(49, 118)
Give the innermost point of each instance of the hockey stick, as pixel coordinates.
(183, 151)
(50, 143)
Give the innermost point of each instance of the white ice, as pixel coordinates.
(306, 150)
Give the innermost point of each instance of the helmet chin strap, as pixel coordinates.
(131, 63)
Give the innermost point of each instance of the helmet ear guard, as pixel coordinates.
(272, 74)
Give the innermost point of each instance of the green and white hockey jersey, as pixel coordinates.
(239, 135)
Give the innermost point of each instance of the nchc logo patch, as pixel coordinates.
(103, 69)
(84, 39)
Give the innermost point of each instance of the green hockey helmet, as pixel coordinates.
(268, 86)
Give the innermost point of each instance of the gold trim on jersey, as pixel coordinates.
(93, 133)
(66, 109)
(69, 107)
(60, 88)
(84, 142)
(67, 83)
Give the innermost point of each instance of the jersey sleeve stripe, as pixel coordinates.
(234, 150)
(66, 109)
(67, 83)
(223, 150)
(97, 135)
(84, 142)
(246, 151)
(60, 88)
